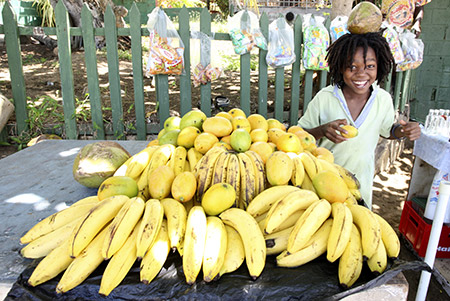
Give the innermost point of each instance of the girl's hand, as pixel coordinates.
(410, 130)
(333, 129)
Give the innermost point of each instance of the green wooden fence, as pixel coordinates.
(135, 31)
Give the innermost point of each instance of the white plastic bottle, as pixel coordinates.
(432, 199)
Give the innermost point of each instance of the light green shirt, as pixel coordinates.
(356, 154)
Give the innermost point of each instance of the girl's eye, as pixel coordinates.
(370, 66)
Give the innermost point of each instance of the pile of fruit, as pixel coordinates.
(219, 191)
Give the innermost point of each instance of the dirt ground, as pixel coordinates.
(42, 78)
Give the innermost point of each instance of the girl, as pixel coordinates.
(357, 62)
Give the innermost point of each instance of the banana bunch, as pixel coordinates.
(244, 171)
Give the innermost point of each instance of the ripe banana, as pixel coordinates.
(120, 264)
(176, 216)
(234, 176)
(179, 157)
(378, 262)
(235, 253)
(122, 225)
(349, 177)
(298, 174)
(194, 243)
(263, 201)
(356, 194)
(308, 224)
(369, 228)
(340, 232)
(139, 162)
(316, 246)
(83, 265)
(142, 183)
(51, 265)
(294, 201)
(57, 220)
(307, 183)
(160, 157)
(351, 261)
(248, 181)
(287, 223)
(43, 245)
(215, 248)
(260, 173)
(220, 168)
(389, 237)
(86, 200)
(205, 169)
(254, 243)
(310, 163)
(149, 227)
(155, 258)
(122, 168)
(193, 157)
(93, 223)
(277, 241)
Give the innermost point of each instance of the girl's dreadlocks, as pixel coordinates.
(341, 52)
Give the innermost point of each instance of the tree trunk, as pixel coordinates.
(341, 8)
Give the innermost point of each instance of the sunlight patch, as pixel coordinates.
(70, 152)
(39, 203)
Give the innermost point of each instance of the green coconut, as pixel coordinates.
(98, 161)
(365, 17)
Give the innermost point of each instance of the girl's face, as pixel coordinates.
(360, 75)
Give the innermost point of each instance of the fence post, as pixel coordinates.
(262, 68)
(15, 66)
(398, 89)
(295, 81)
(245, 71)
(185, 79)
(205, 59)
(65, 69)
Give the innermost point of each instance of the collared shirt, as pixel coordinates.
(356, 154)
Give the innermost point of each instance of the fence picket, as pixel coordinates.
(185, 79)
(245, 71)
(262, 68)
(162, 98)
(205, 59)
(295, 80)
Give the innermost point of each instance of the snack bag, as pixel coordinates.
(391, 36)
(316, 41)
(166, 48)
(398, 12)
(412, 50)
(245, 32)
(203, 72)
(281, 44)
(338, 27)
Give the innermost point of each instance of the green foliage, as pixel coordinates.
(180, 3)
(232, 62)
(45, 11)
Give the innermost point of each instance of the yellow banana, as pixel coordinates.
(206, 169)
(215, 248)
(187, 167)
(310, 163)
(350, 200)
(234, 254)
(179, 156)
(51, 265)
(149, 227)
(194, 243)
(356, 194)
(93, 223)
(220, 168)
(142, 183)
(281, 210)
(277, 241)
(121, 171)
(234, 176)
(287, 223)
(307, 183)
(260, 173)
(328, 166)
(86, 200)
(369, 228)
(340, 232)
(247, 180)
(308, 223)
(120, 263)
(83, 265)
(263, 201)
(298, 174)
(378, 262)
(160, 157)
(43, 245)
(389, 237)
(254, 243)
(351, 261)
(139, 162)
(57, 220)
(155, 258)
(176, 216)
(193, 157)
(122, 225)
(349, 178)
(316, 246)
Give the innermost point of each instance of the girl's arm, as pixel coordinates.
(331, 130)
(410, 130)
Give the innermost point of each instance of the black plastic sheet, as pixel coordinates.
(316, 280)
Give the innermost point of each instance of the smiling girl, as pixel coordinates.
(357, 62)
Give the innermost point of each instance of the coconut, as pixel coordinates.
(98, 161)
(364, 17)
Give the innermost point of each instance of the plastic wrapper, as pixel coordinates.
(398, 12)
(281, 44)
(412, 50)
(166, 48)
(203, 72)
(316, 41)
(391, 36)
(245, 32)
(316, 280)
(338, 27)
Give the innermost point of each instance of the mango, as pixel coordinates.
(193, 118)
(351, 131)
(241, 122)
(218, 198)
(184, 186)
(204, 142)
(187, 136)
(160, 182)
(289, 142)
(172, 123)
(218, 126)
(274, 123)
(240, 140)
(237, 112)
(263, 149)
(117, 185)
(330, 186)
(259, 135)
(170, 137)
(279, 167)
(258, 121)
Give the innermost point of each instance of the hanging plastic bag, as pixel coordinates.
(203, 72)
(412, 50)
(166, 48)
(281, 44)
(391, 35)
(398, 12)
(338, 27)
(245, 32)
(316, 41)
